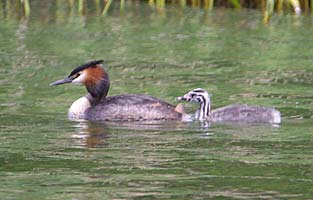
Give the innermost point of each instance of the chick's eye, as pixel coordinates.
(77, 75)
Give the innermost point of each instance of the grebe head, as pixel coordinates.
(202, 97)
(91, 75)
(198, 95)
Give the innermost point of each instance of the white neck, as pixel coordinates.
(78, 108)
(204, 112)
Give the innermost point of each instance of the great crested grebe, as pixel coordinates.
(126, 107)
(231, 113)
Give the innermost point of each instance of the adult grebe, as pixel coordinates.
(126, 107)
(231, 113)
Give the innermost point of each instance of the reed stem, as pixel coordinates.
(151, 2)
(235, 3)
(183, 3)
(267, 6)
(122, 5)
(160, 3)
(26, 7)
(81, 6)
(296, 6)
(71, 2)
(268, 11)
(106, 7)
(280, 5)
(306, 6)
(208, 4)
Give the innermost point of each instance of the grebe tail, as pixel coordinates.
(126, 107)
(230, 113)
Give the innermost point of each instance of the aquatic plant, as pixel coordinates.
(26, 7)
(102, 7)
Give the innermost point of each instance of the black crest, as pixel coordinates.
(199, 90)
(85, 66)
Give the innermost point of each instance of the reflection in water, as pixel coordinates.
(90, 135)
(95, 134)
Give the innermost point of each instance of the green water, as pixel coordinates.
(163, 54)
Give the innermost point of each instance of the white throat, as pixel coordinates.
(78, 108)
(205, 111)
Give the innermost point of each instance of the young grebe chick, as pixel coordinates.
(126, 107)
(231, 113)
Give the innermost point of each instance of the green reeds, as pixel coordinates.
(268, 7)
(280, 4)
(268, 11)
(296, 6)
(160, 4)
(26, 7)
(183, 3)
(122, 7)
(80, 6)
(235, 3)
(106, 7)
(97, 2)
(71, 2)
(208, 4)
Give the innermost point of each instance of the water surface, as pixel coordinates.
(164, 54)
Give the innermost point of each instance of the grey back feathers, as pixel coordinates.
(245, 113)
(132, 107)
